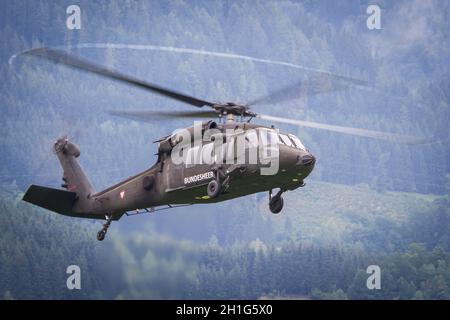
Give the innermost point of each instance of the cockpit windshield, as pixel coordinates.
(287, 139)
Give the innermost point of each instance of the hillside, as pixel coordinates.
(320, 254)
(321, 213)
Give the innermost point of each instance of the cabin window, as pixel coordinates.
(192, 157)
(268, 137)
(230, 150)
(207, 153)
(272, 136)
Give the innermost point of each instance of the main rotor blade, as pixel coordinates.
(158, 115)
(391, 137)
(321, 82)
(58, 56)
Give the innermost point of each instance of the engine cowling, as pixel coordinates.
(165, 146)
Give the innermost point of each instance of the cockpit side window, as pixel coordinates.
(297, 142)
(286, 140)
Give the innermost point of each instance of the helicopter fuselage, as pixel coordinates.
(168, 182)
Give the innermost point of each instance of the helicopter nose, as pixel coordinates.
(306, 160)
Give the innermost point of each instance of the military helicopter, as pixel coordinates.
(169, 183)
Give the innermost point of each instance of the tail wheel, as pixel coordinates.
(213, 189)
(276, 204)
(101, 235)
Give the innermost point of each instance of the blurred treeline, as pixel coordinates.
(37, 246)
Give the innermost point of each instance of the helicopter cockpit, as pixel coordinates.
(291, 141)
(288, 139)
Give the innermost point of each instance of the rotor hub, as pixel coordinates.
(231, 108)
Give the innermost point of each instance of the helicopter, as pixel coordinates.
(202, 164)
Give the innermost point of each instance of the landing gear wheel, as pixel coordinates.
(213, 189)
(101, 235)
(276, 204)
